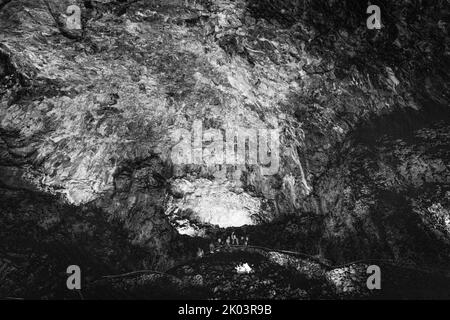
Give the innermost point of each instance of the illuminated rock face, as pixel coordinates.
(87, 119)
(219, 204)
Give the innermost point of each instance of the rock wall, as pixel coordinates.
(87, 118)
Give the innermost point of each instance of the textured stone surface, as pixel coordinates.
(86, 123)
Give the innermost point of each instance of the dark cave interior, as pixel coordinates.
(375, 153)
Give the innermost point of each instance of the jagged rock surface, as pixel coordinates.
(86, 122)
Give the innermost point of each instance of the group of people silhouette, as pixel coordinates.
(232, 240)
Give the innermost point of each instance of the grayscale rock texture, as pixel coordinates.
(87, 178)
